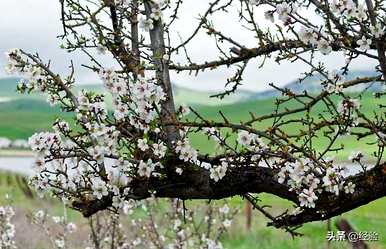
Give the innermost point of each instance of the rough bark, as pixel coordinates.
(380, 45)
(196, 184)
(168, 112)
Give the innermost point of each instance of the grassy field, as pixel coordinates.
(371, 217)
(22, 117)
(241, 112)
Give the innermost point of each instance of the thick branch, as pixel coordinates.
(370, 186)
(196, 184)
(251, 53)
(168, 112)
(379, 43)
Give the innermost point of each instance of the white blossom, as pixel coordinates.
(356, 156)
(218, 172)
(349, 188)
(142, 144)
(97, 153)
(284, 10)
(307, 198)
(227, 223)
(60, 243)
(156, 14)
(324, 46)
(364, 43)
(179, 171)
(307, 36)
(146, 24)
(39, 215)
(186, 151)
(159, 149)
(146, 168)
(7, 229)
(99, 188)
(224, 209)
(377, 31)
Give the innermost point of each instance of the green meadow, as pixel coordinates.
(22, 116)
(240, 112)
(369, 218)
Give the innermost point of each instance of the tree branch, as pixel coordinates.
(168, 112)
(196, 184)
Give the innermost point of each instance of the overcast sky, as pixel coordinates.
(33, 25)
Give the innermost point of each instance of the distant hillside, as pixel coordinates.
(182, 95)
(312, 85)
(27, 105)
(193, 97)
(8, 90)
(188, 96)
(8, 86)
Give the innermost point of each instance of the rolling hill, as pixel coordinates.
(23, 115)
(193, 97)
(312, 85)
(182, 95)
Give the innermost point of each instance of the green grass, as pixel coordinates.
(23, 117)
(371, 217)
(19, 194)
(237, 113)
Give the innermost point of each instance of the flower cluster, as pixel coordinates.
(33, 77)
(72, 173)
(156, 15)
(324, 46)
(218, 172)
(123, 3)
(284, 10)
(251, 141)
(364, 43)
(186, 151)
(308, 179)
(333, 180)
(300, 177)
(184, 234)
(114, 230)
(346, 107)
(349, 9)
(146, 169)
(13, 65)
(62, 230)
(308, 36)
(334, 84)
(7, 229)
(137, 102)
(145, 95)
(65, 163)
(44, 141)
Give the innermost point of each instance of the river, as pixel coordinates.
(23, 165)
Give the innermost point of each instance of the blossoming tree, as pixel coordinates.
(141, 148)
